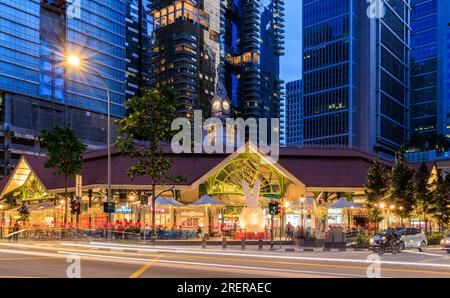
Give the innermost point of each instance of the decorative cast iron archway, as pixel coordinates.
(249, 167)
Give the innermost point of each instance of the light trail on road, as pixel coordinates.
(321, 273)
(260, 256)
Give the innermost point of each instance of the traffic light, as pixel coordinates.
(280, 210)
(273, 208)
(75, 207)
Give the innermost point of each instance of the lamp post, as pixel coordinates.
(77, 62)
(302, 200)
(2, 218)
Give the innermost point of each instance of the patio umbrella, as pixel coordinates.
(174, 202)
(41, 206)
(342, 203)
(160, 201)
(207, 200)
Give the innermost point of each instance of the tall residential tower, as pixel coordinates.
(238, 42)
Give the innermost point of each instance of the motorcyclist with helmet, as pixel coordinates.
(392, 238)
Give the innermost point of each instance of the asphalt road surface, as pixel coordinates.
(112, 260)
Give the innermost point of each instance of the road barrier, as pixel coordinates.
(204, 242)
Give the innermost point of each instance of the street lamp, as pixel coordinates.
(75, 61)
(2, 219)
(302, 200)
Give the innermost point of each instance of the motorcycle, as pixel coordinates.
(388, 246)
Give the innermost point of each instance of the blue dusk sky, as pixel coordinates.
(291, 62)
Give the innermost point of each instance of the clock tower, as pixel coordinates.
(221, 109)
(220, 104)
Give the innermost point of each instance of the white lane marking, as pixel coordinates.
(425, 254)
(267, 256)
(30, 253)
(213, 265)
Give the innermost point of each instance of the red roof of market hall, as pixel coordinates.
(314, 167)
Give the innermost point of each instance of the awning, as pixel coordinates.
(207, 200)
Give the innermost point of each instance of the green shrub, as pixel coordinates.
(362, 240)
(435, 238)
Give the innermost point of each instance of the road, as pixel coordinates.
(112, 260)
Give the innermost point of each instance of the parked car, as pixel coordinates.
(445, 243)
(409, 238)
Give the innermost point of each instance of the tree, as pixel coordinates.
(422, 196)
(64, 153)
(140, 135)
(440, 202)
(376, 189)
(402, 187)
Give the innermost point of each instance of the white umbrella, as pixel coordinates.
(174, 202)
(342, 203)
(207, 200)
(160, 201)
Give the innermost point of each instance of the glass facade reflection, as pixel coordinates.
(99, 35)
(33, 80)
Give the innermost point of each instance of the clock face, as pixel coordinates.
(226, 105)
(216, 105)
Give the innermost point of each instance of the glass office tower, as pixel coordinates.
(356, 75)
(33, 79)
(294, 113)
(430, 66)
(139, 26)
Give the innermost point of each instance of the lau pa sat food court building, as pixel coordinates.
(306, 183)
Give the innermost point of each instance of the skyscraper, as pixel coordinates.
(249, 35)
(36, 92)
(138, 52)
(356, 74)
(430, 67)
(185, 51)
(252, 37)
(294, 113)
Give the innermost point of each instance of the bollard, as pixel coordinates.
(242, 243)
(260, 244)
(224, 243)
(204, 242)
